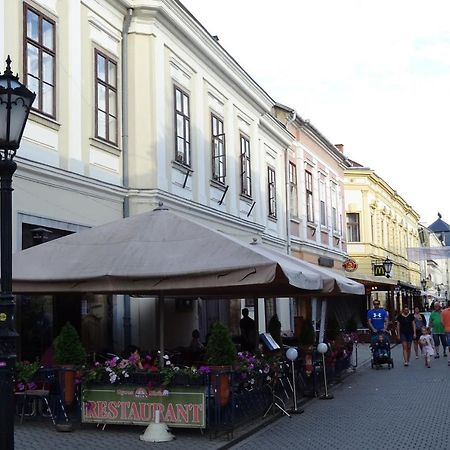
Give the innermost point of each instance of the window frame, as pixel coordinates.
(245, 163)
(334, 208)
(309, 196)
(293, 190)
(271, 192)
(108, 87)
(323, 203)
(218, 141)
(39, 103)
(185, 156)
(353, 228)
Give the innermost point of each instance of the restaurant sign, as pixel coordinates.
(350, 265)
(136, 405)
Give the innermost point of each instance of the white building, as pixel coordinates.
(138, 104)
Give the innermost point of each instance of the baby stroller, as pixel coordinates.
(381, 351)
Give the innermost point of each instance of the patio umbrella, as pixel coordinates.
(161, 252)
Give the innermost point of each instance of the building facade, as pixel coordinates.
(381, 224)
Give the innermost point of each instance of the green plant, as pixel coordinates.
(68, 347)
(26, 370)
(220, 349)
(307, 335)
(274, 329)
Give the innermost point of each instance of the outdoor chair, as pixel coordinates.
(46, 399)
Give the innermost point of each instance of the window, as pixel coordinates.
(353, 227)
(246, 175)
(293, 192)
(334, 210)
(323, 203)
(271, 191)
(218, 149)
(39, 59)
(105, 98)
(309, 197)
(182, 126)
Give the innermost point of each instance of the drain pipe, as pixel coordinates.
(291, 118)
(125, 169)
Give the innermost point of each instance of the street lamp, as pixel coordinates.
(15, 105)
(387, 265)
(423, 282)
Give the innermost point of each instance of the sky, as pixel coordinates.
(372, 75)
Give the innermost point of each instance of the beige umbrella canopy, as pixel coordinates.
(161, 252)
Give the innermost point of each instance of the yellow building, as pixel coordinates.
(380, 224)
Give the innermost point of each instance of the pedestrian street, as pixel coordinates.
(401, 408)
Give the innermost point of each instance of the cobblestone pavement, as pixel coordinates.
(402, 408)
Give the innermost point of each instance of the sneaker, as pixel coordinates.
(406, 364)
(436, 356)
(449, 363)
(417, 356)
(445, 354)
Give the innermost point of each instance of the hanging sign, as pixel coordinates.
(350, 265)
(379, 270)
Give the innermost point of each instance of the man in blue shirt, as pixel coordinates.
(377, 318)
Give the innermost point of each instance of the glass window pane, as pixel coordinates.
(47, 99)
(188, 154)
(187, 132)
(180, 145)
(178, 100)
(47, 34)
(186, 105)
(101, 67)
(32, 25)
(101, 97)
(33, 86)
(180, 126)
(112, 129)
(33, 60)
(111, 74)
(112, 103)
(47, 68)
(101, 124)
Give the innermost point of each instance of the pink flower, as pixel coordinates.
(204, 369)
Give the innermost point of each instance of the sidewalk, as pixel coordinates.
(39, 434)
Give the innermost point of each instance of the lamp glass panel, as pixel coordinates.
(19, 113)
(3, 114)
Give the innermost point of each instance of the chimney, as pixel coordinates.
(340, 147)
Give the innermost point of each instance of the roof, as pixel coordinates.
(442, 228)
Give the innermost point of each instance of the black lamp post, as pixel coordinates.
(15, 104)
(387, 265)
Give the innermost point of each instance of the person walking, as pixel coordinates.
(248, 330)
(406, 329)
(437, 330)
(420, 322)
(377, 320)
(445, 318)
(427, 345)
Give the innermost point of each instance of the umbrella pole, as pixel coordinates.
(256, 311)
(323, 315)
(161, 329)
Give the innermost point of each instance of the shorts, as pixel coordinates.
(406, 337)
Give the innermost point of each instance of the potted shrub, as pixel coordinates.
(221, 354)
(69, 354)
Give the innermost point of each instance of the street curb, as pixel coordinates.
(277, 416)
